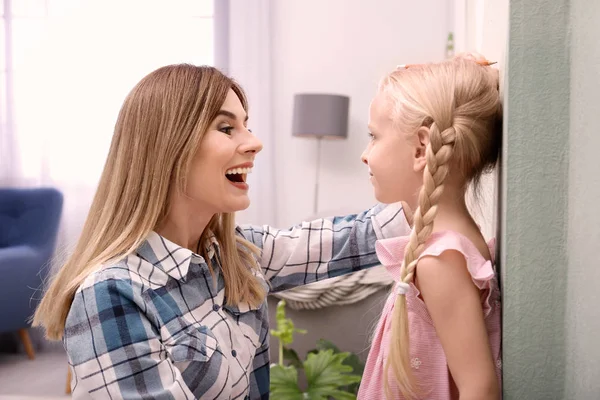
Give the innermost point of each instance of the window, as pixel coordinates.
(67, 65)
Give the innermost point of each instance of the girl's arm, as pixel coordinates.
(324, 248)
(454, 304)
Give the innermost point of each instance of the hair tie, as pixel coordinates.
(402, 288)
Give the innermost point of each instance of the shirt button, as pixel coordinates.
(216, 307)
(234, 353)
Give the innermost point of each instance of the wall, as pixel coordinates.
(345, 47)
(551, 223)
(535, 200)
(582, 322)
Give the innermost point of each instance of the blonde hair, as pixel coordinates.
(459, 101)
(157, 134)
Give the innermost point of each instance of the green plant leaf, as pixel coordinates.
(323, 344)
(358, 368)
(313, 351)
(330, 373)
(325, 371)
(291, 356)
(285, 326)
(327, 393)
(284, 383)
(352, 360)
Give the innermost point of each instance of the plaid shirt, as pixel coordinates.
(156, 326)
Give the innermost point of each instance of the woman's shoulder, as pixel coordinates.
(104, 273)
(115, 281)
(108, 286)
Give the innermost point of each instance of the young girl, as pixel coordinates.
(164, 297)
(436, 129)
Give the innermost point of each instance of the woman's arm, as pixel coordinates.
(454, 304)
(114, 349)
(324, 248)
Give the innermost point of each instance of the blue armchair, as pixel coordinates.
(29, 220)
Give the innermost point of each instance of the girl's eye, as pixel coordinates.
(226, 130)
(371, 136)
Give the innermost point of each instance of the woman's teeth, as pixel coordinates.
(238, 171)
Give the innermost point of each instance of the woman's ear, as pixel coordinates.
(421, 142)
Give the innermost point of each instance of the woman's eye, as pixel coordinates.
(226, 130)
(371, 136)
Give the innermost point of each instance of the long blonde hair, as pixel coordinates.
(157, 134)
(460, 103)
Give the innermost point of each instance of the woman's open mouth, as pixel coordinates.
(237, 176)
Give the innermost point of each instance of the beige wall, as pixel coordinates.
(344, 47)
(582, 322)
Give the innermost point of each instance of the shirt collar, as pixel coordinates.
(172, 258)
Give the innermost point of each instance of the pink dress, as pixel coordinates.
(428, 360)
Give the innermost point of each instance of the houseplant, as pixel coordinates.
(330, 373)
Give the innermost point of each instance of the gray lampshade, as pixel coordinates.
(320, 115)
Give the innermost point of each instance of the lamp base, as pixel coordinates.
(317, 170)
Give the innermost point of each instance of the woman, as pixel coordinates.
(164, 297)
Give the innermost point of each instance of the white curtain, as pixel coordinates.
(69, 65)
(248, 61)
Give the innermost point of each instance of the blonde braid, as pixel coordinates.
(438, 154)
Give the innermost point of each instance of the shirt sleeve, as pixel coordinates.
(324, 248)
(114, 349)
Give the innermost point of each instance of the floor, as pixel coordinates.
(41, 379)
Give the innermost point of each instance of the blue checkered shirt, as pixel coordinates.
(156, 326)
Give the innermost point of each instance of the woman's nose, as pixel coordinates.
(252, 144)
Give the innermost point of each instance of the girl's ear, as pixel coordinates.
(421, 141)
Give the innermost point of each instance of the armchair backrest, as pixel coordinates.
(31, 217)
